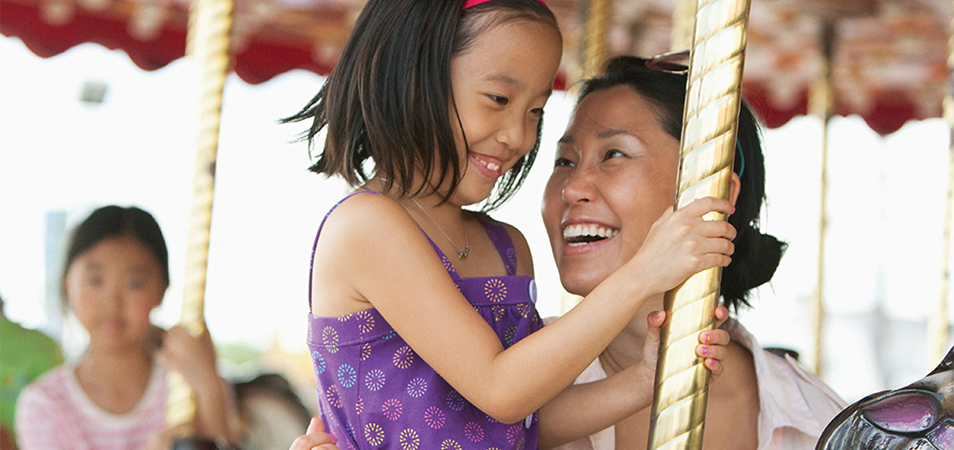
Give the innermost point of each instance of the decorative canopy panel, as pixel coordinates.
(888, 56)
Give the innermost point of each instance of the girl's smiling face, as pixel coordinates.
(112, 287)
(500, 86)
(614, 175)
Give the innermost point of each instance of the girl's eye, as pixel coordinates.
(614, 153)
(136, 284)
(537, 112)
(499, 99)
(562, 162)
(94, 280)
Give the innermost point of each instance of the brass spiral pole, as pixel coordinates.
(596, 28)
(707, 149)
(938, 323)
(821, 102)
(209, 47)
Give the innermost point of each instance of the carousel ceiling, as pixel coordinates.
(888, 56)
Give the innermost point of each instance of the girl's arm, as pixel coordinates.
(194, 358)
(372, 254)
(585, 409)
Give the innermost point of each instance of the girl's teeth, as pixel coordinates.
(493, 166)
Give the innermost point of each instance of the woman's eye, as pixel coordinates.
(614, 153)
(537, 112)
(562, 162)
(499, 99)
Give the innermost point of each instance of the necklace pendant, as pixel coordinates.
(463, 254)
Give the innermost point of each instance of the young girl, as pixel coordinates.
(114, 397)
(421, 311)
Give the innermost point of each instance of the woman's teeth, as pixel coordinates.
(584, 234)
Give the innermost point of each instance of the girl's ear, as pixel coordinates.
(735, 186)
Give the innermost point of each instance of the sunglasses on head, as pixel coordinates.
(676, 61)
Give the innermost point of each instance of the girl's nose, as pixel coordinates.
(515, 133)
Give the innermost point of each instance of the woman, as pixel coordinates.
(614, 175)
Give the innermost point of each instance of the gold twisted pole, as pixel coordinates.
(707, 150)
(596, 28)
(821, 102)
(938, 323)
(209, 47)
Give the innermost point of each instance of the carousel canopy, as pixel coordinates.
(888, 56)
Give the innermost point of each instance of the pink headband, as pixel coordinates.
(470, 3)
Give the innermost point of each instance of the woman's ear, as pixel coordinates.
(735, 186)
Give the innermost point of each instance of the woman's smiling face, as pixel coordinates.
(614, 175)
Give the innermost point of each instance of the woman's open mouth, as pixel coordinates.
(582, 234)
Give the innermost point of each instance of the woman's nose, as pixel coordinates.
(579, 187)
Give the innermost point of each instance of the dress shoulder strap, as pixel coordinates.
(501, 239)
(311, 266)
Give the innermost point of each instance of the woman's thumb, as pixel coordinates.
(315, 426)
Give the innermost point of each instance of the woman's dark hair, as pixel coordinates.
(387, 98)
(113, 221)
(756, 255)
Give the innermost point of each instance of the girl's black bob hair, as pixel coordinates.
(385, 105)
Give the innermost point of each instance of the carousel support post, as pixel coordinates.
(595, 30)
(209, 47)
(707, 147)
(938, 324)
(822, 103)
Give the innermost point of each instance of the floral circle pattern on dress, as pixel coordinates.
(392, 409)
(403, 357)
(455, 401)
(508, 335)
(365, 321)
(495, 290)
(474, 432)
(329, 337)
(434, 417)
(347, 376)
(416, 387)
(450, 444)
(374, 433)
(499, 312)
(332, 395)
(409, 439)
(359, 405)
(365, 351)
(514, 433)
(389, 335)
(318, 361)
(374, 380)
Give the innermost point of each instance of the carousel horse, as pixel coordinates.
(919, 416)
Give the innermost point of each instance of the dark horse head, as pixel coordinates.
(919, 416)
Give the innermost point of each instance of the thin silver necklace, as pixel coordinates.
(461, 254)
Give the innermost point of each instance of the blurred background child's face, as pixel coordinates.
(112, 288)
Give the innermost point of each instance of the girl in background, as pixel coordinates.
(422, 324)
(114, 397)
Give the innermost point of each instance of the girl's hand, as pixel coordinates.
(315, 438)
(193, 357)
(712, 344)
(682, 243)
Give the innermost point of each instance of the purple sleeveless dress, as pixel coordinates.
(375, 392)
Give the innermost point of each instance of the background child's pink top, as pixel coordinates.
(54, 413)
(375, 392)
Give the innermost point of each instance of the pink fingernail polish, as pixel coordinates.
(704, 351)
